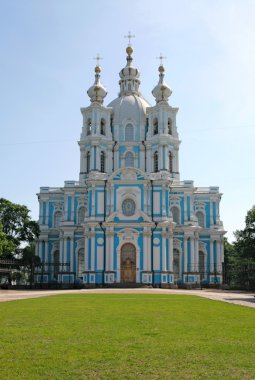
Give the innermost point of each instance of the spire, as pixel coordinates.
(97, 92)
(161, 91)
(129, 82)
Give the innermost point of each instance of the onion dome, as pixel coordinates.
(97, 92)
(129, 76)
(161, 92)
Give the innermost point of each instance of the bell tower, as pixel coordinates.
(96, 137)
(162, 138)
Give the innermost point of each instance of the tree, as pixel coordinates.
(30, 261)
(6, 246)
(17, 227)
(230, 255)
(245, 239)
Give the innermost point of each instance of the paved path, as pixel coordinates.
(236, 297)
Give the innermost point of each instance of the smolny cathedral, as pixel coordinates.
(130, 219)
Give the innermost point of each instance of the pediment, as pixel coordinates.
(128, 174)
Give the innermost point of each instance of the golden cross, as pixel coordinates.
(129, 36)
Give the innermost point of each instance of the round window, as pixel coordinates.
(128, 207)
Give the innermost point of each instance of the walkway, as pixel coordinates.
(235, 297)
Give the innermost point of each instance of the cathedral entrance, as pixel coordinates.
(128, 263)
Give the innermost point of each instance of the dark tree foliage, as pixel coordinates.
(245, 239)
(17, 226)
(239, 261)
(28, 255)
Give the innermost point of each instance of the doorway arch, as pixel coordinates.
(128, 263)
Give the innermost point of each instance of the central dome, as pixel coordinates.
(129, 107)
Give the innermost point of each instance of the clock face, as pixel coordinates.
(128, 207)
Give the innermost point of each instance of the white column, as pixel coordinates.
(65, 249)
(170, 252)
(222, 251)
(185, 255)
(93, 200)
(164, 200)
(108, 249)
(116, 158)
(40, 212)
(148, 160)
(72, 208)
(71, 254)
(92, 155)
(197, 255)
(111, 251)
(109, 160)
(185, 208)
(112, 197)
(218, 267)
(86, 251)
(160, 157)
(148, 252)
(61, 258)
(92, 237)
(211, 213)
(46, 249)
(192, 255)
(211, 257)
(142, 158)
(47, 213)
(98, 153)
(176, 160)
(145, 257)
(163, 251)
(82, 159)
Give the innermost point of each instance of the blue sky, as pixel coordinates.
(47, 49)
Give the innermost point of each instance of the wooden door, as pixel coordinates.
(128, 263)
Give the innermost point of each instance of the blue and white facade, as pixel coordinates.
(129, 218)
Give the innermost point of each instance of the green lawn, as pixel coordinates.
(126, 336)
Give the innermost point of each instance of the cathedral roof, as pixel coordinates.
(129, 107)
(130, 104)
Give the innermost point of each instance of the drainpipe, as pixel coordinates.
(145, 157)
(152, 231)
(103, 229)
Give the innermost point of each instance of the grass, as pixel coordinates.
(117, 336)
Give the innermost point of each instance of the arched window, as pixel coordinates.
(129, 132)
(102, 127)
(176, 263)
(55, 264)
(129, 86)
(169, 126)
(170, 162)
(200, 218)
(57, 218)
(102, 162)
(81, 215)
(81, 267)
(176, 214)
(156, 162)
(201, 264)
(129, 160)
(88, 162)
(155, 126)
(89, 125)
